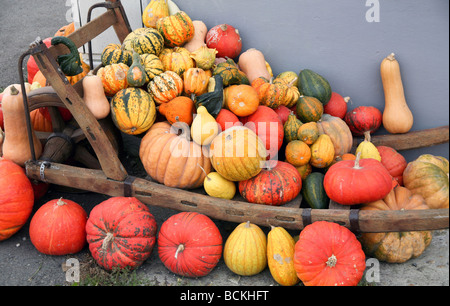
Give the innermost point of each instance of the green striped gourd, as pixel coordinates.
(144, 40)
(114, 54)
(314, 85)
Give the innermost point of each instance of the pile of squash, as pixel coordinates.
(213, 117)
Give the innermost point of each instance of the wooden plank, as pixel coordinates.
(155, 194)
(410, 140)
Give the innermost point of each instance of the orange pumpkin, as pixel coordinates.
(41, 122)
(195, 81)
(177, 59)
(66, 30)
(298, 153)
(179, 109)
(242, 99)
(114, 78)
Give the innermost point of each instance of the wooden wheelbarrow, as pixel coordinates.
(104, 173)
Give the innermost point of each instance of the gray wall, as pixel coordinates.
(334, 39)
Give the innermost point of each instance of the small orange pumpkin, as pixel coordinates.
(242, 99)
(114, 78)
(298, 153)
(195, 81)
(177, 59)
(179, 109)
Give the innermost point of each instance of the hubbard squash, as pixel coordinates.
(94, 96)
(16, 146)
(397, 117)
(253, 64)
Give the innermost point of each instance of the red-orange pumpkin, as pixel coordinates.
(59, 227)
(276, 185)
(16, 198)
(394, 162)
(328, 254)
(350, 182)
(189, 244)
(363, 119)
(121, 233)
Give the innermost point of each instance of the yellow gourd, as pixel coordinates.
(153, 11)
(368, 149)
(94, 96)
(16, 146)
(397, 117)
(204, 127)
(245, 251)
(280, 256)
(219, 187)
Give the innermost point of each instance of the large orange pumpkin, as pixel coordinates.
(16, 198)
(328, 254)
(172, 159)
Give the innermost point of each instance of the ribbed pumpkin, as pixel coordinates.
(338, 131)
(121, 233)
(176, 29)
(133, 111)
(309, 109)
(394, 162)
(280, 256)
(396, 247)
(195, 81)
(114, 78)
(16, 198)
(59, 227)
(363, 119)
(337, 106)
(144, 40)
(328, 254)
(41, 122)
(237, 153)
(292, 93)
(152, 66)
(177, 59)
(291, 127)
(297, 153)
(154, 10)
(189, 244)
(165, 86)
(270, 94)
(312, 84)
(308, 133)
(245, 251)
(428, 180)
(275, 185)
(350, 182)
(322, 152)
(163, 153)
(114, 54)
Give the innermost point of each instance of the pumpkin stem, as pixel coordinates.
(179, 249)
(107, 241)
(14, 91)
(332, 261)
(247, 224)
(206, 174)
(367, 136)
(347, 99)
(358, 157)
(291, 83)
(391, 57)
(60, 202)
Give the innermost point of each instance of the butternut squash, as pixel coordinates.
(16, 146)
(397, 117)
(94, 96)
(253, 64)
(199, 36)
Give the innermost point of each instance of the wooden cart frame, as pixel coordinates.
(105, 173)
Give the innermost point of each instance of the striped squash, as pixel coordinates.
(308, 133)
(322, 152)
(165, 87)
(144, 40)
(177, 59)
(152, 65)
(291, 127)
(309, 109)
(114, 78)
(270, 94)
(133, 110)
(176, 29)
(314, 85)
(114, 54)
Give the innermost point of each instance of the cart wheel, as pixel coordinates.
(67, 142)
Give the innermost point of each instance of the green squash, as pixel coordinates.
(230, 73)
(313, 191)
(136, 75)
(309, 109)
(314, 85)
(291, 127)
(70, 63)
(213, 99)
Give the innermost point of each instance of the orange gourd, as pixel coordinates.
(114, 78)
(242, 100)
(179, 109)
(397, 117)
(94, 96)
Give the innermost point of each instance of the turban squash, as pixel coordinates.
(172, 159)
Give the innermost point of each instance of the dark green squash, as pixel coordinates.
(136, 75)
(212, 100)
(229, 72)
(309, 109)
(314, 85)
(313, 191)
(70, 63)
